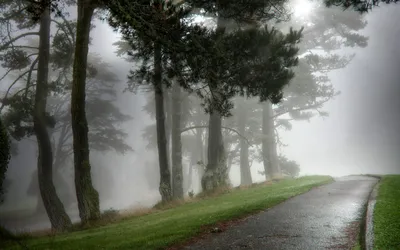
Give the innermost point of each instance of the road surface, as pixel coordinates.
(327, 217)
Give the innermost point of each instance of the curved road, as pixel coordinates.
(327, 217)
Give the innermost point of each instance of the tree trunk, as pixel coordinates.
(87, 195)
(245, 174)
(200, 153)
(165, 176)
(216, 174)
(55, 210)
(168, 125)
(216, 171)
(269, 151)
(177, 172)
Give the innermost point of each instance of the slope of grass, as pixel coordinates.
(387, 214)
(171, 226)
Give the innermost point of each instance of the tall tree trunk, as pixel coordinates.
(177, 172)
(216, 170)
(168, 125)
(165, 176)
(245, 174)
(269, 151)
(55, 210)
(87, 195)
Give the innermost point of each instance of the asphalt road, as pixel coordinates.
(327, 217)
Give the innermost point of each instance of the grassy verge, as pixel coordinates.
(387, 214)
(166, 227)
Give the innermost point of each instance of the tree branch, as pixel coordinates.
(9, 88)
(8, 71)
(230, 129)
(4, 46)
(28, 81)
(315, 106)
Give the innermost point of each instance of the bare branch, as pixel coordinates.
(4, 46)
(8, 71)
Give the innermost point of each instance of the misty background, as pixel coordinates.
(360, 135)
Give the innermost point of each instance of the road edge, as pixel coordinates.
(369, 224)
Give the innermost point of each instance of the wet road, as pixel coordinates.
(324, 218)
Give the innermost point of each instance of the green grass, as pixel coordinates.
(387, 214)
(175, 225)
(357, 247)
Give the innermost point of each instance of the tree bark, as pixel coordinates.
(54, 208)
(216, 170)
(87, 195)
(165, 176)
(245, 173)
(200, 153)
(269, 151)
(177, 171)
(168, 125)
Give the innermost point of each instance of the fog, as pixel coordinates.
(360, 135)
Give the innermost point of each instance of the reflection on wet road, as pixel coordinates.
(324, 218)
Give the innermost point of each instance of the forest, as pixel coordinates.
(219, 82)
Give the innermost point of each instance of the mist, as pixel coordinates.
(360, 135)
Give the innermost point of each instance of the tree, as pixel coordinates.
(14, 58)
(210, 47)
(147, 41)
(87, 195)
(288, 167)
(105, 135)
(5, 155)
(311, 88)
(177, 171)
(245, 13)
(103, 119)
(54, 208)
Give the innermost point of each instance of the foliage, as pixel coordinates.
(361, 6)
(289, 167)
(104, 116)
(159, 229)
(196, 48)
(251, 63)
(5, 155)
